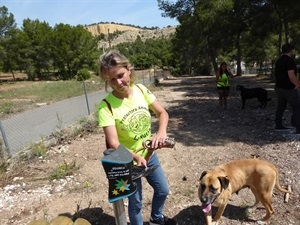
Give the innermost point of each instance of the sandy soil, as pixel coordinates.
(205, 136)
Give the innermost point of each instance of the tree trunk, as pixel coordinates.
(286, 26)
(238, 55)
(212, 56)
(280, 29)
(13, 74)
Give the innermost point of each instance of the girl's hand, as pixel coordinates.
(158, 140)
(141, 161)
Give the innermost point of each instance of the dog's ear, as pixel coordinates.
(203, 174)
(224, 182)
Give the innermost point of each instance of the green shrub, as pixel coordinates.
(83, 74)
(64, 169)
(38, 149)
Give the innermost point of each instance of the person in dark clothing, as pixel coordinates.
(287, 89)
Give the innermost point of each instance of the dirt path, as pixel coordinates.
(205, 137)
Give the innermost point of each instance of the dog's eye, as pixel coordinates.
(213, 190)
(203, 187)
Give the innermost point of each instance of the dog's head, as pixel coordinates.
(239, 87)
(210, 187)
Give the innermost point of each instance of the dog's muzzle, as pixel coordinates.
(209, 199)
(207, 202)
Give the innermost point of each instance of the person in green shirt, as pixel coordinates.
(125, 117)
(223, 85)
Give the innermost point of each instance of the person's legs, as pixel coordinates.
(135, 205)
(221, 96)
(226, 93)
(160, 186)
(293, 99)
(225, 102)
(281, 106)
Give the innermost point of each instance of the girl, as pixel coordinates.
(125, 118)
(223, 85)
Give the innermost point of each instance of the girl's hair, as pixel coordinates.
(114, 58)
(221, 71)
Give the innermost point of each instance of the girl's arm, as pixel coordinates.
(230, 74)
(163, 118)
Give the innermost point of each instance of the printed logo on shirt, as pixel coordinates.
(136, 121)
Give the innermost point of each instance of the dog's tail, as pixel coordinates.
(278, 186)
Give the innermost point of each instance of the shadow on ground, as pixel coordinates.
(199, 109)
(192, 215)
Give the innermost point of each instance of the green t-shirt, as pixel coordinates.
(131, 117)
(224, 81)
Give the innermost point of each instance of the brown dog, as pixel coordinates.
(217, 185)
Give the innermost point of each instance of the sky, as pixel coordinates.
(143, 13)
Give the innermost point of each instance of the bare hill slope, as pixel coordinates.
(106, 28)
(130, 33)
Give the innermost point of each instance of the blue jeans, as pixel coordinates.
(159, 183)
(293, 98)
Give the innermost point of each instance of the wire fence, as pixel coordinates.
(23, 129)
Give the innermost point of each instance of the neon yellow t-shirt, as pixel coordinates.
(131, 117)
(223, 81)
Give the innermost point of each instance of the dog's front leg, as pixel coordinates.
(208, 217)
(219, 214)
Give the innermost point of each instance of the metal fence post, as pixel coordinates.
(86, 98)
(143, 79)
(4, 138)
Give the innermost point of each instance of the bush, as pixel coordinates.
(64, 169)
(83, 74)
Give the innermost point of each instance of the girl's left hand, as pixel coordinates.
(158, 140)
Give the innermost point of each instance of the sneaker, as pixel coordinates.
(282, 128)
(163, 221)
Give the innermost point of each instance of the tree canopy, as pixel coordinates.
(209, 32)
(233, 30)
(41, 50)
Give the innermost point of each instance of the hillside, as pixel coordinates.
(130, 33)
(97, 29)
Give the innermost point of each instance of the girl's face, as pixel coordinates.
(224, 67)
(119, 78)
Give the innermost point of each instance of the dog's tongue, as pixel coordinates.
(206, 208)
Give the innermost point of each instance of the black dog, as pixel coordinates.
(248, 93)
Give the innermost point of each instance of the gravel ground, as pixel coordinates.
(205, 136)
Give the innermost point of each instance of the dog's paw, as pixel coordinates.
(215, 222)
